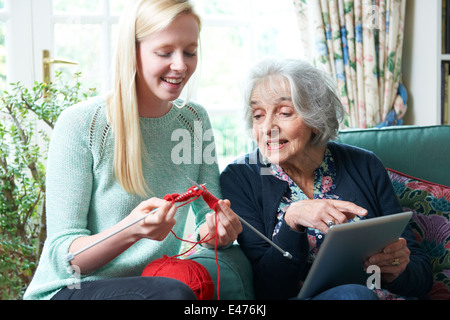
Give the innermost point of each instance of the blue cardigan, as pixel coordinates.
(255, 195)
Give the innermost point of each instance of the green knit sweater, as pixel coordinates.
(84, 197)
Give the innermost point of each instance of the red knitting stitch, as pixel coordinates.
(191, 193)
(209, 198)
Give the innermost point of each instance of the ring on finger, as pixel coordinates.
(396, 262)
(330, 223)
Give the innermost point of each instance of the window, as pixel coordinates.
(235, 34)
(91, 25)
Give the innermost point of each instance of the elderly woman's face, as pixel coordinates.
(278, 129)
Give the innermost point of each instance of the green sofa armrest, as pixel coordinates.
(419, 151)
(236, 276)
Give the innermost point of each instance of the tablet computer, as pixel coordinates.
(346, 246)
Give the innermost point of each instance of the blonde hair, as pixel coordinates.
(140, 19)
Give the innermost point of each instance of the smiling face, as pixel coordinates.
(166, 61)
(281, 135)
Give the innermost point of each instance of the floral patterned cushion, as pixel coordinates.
(430, 203)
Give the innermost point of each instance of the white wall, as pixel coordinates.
(421, 66)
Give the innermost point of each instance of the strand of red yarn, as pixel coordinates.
(190, 195)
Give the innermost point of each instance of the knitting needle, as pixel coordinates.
(72, 256)
(285, 253)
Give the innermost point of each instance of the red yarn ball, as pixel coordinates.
(188, 271)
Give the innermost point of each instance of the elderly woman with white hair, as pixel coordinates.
(299, 182)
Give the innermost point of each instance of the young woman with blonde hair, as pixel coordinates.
(111, 161)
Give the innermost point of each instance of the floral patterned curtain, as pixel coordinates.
(360, 43)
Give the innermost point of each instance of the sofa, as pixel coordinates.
(417, 159)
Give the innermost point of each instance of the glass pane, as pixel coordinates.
(114, 31)
(2, 56)
(273, 41)
(231, 139)
(116, 6)
(224, 56)
(273, 8)
(81, 43)
(277, 33)
(220, 7)
(77, 6)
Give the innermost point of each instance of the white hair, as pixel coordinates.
(312, 92)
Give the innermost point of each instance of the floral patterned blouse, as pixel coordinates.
(324, 186)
